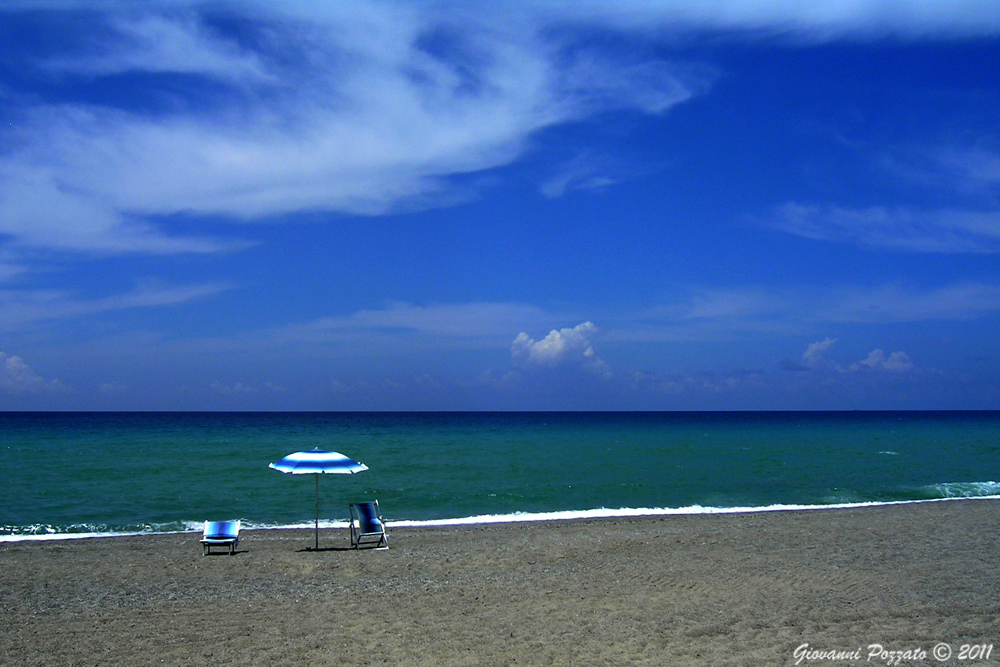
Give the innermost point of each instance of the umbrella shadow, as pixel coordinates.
(314, 549)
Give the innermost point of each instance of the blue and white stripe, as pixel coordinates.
(318, 461)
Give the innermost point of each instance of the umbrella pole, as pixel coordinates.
(317, 512)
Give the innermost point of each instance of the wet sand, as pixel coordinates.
(738, 589)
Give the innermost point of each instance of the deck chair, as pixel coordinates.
(220, 534)
(368, 526)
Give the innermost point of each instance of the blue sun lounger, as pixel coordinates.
(220, 534)
(368, 526)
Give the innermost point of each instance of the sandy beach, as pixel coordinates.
(736, 589)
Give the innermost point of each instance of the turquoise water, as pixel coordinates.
(83, 473)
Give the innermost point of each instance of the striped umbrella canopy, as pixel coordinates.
(315, 462)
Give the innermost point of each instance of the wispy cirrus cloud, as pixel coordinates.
(972, 168)
(176, 41)
(969, 175)
(727, 314)
(360, 109)
(582, 173)
(894, 228)
(896, 303)
(19, 307)
(820, 20)
(477, 324)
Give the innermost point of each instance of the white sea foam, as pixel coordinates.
(605, 513)
(974, 491)
(965, 489)
(39, 537)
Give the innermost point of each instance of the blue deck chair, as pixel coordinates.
(368, 526)
(220, 534)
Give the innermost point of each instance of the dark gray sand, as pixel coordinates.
(737, 589)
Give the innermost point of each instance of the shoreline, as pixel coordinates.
(695, 589)
(491, 519)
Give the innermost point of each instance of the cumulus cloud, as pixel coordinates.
(814, 358)
(16, 377)
(570, 347)
(897, 362)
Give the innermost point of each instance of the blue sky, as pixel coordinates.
(688, 205)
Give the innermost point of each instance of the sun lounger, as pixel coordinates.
(368, 526)
(221, 534)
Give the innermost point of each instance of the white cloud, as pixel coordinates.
(705, 384)
(819, 18)
(476, 321)
(51, 195)
(816, 20)
(233, 388)
(895, 303)
(19, 307)
(10, 267)
(369, 108)
(902, 229)
(16, 377)
(732, 304)
(970, 168)
(562, 348)
(735, 313)
(361, 109)
(897, 362)
(178, 43)
(582, 173)
(814, 358)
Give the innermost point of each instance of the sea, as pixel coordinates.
(69, 475)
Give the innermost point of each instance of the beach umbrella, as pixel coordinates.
(316, 462)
